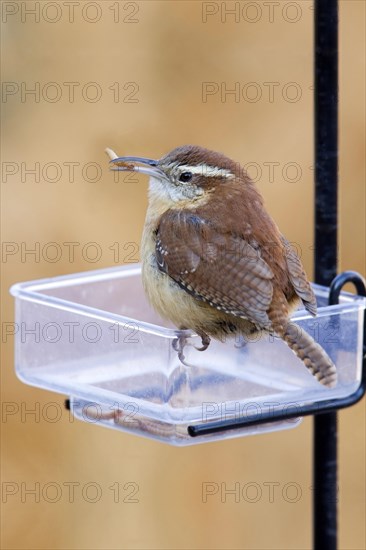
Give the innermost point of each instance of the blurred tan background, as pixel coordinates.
(149, 62)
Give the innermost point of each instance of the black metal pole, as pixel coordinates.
(326, 181)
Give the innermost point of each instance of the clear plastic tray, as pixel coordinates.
(94, 337)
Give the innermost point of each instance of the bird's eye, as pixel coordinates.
(185, 177)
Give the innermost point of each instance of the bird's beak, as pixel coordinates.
(130, 164)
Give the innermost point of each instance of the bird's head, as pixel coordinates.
(187, 173)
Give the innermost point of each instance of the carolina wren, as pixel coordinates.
(214, 261)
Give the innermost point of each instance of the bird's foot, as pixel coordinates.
(182, 341)
(179, 345)
(240, 342)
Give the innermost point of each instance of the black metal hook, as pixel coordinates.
(342, 279)
(339, 282)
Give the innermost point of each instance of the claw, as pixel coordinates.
(178, 346)
(205, 342)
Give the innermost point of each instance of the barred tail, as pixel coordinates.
(311, 353)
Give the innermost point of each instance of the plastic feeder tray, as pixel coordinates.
(93, 336)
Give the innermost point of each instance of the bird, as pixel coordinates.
(213, 259)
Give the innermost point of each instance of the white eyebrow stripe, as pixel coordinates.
(206, 170)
